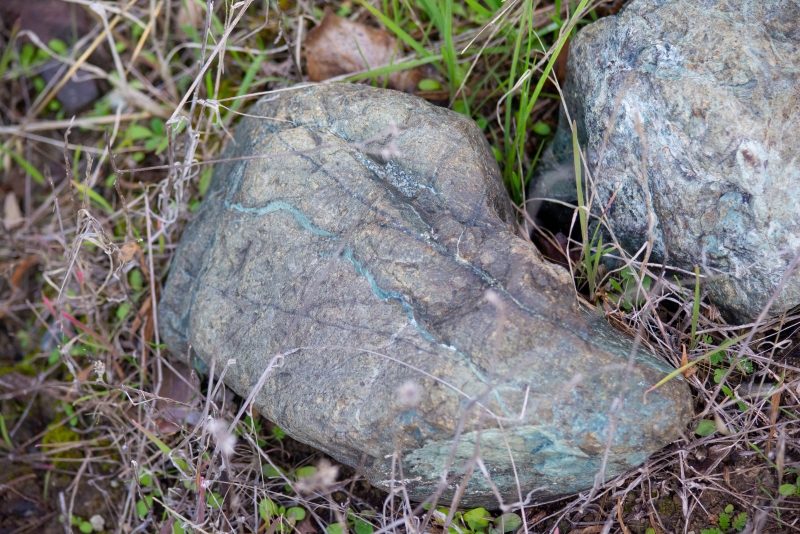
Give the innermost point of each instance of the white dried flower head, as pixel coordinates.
(327, 472)
(324, 476)
(409, 393)
(225, 440)
(98, 523)
(100, 369)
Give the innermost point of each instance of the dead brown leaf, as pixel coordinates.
(685, 361)
(85, 373)
(619, 517)
(179, 384)
(305, 526)
(140, 317)
(12, 215)
(538, 517)
(21, 267)
(128, 250)
(147, 334)
(131, 249)
(561, 63)
(144, 320)
(338, 46)
(775, 401)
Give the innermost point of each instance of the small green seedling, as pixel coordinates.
(288, 517)
(790, 490)
(83, 525)
(706, 427)
(303, 472)
(427, 84)
(625, 292)
(542, 128)
(353, 523)
(214, 500)
(253, 427)
(141, 508)
(478, 521)
(728, 522)
(155, 137)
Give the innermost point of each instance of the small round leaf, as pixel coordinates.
(427, 84)
(706, 428)
(542, 128)
(362, 527)
(508, 522)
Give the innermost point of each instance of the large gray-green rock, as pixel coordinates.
(398, 338)
(715, 84)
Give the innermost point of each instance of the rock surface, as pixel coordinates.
(715, 84)
(372, 249)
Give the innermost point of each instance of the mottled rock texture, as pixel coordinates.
(716, 86)
(400, 350)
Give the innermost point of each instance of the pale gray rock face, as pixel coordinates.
(716, 86)
(400, 354)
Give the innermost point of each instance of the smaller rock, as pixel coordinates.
(79, 91)
(714, 85)
(48, 19)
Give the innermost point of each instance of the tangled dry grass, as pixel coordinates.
(97, 420)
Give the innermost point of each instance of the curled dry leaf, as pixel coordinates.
(684, 362)
(128, 250)
(338, 46)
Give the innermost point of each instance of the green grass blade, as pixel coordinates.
(7, 52)
(576, 151)
(595, 265)
(482, 11)
(435, 14)
(511, 83)
(695, 306)
(94, 196)
(22, 162)
(453, 69)
(722, 346)
(388, 69)
(397, 30)
(4, 432)
(247, 82)
(163, 447)
(551, 63)
(522, 125)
